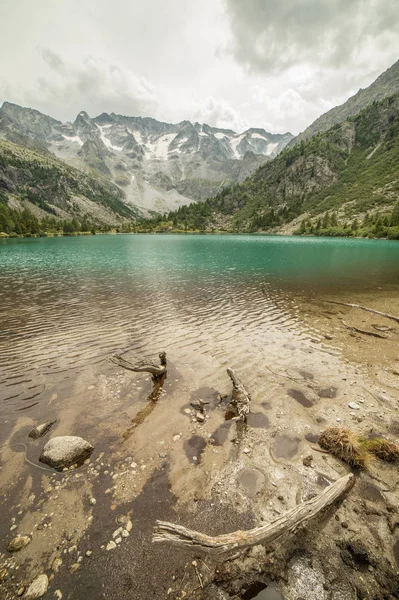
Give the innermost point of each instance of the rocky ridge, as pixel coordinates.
(158, 166)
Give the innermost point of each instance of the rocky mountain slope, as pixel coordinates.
(385, 85)
(45, 186)
(349, 173)
(158, 166)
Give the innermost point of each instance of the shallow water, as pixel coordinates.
(66, 303)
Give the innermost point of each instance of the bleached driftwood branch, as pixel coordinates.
(238, 540)
(376, 312)
(240, 398)
(141, 367)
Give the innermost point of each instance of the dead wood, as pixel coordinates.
(240, 398)
(372, 333)
(239, 540)
(376, 312)
(141, 367)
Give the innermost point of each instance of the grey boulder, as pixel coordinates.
(40, 430)
(64, 451)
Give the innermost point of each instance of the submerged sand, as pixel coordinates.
(210, 476)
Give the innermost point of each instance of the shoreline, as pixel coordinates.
(4, 236)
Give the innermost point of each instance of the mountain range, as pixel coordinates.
(114, 169)
(158, 166)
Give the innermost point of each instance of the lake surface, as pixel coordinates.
(66, 303)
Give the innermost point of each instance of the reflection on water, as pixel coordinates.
(68, 302)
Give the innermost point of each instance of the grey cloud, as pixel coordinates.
(273, 35)
(95, 85)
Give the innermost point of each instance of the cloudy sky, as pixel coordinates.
(276, 64)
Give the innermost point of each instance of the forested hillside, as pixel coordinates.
(344, 182)
(37, 191)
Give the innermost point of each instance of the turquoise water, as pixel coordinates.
(66, 303)
(335, 260)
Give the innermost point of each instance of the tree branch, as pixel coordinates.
(238, 540)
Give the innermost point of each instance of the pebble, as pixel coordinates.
(246, 450)
(92, 501)
(89, 552)
(57, 562)
(110, 546)
(75, 567)
(176, 437)
(118, 540)
(18, 543)
(37, 588)
(307, 461)
(354, 405)
(58, 594)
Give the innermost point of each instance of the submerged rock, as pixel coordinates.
(64, 451)
(19, 542)
(37, 588)
(40, 430)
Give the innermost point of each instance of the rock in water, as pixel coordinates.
(64, 451)
(37, 588)
(18, 543)
(40, 430)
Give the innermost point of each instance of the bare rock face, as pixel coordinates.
(37, 588)
(19, 542)
(40, 430)
(64, 451)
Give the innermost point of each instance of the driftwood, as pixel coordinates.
(372, 333)
(158, 373)
(376, 312)
(141, 367)
(240, 398)
(239, 540)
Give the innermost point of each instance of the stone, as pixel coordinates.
(89, 552)
(75, 567)
(92, 501)
(40, 430)
(19, 542)
(200, 417)
(354, 405)
(110, 546)
(37, 588)
(58, 594)
(307, 461)
(63, 451)
(21, 591)
(57, 562)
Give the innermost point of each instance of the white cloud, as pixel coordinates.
(95, 85)
(219, 113)
(233, 63)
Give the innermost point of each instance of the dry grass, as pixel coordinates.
(346, 445)
(383, 449)
(355, 449)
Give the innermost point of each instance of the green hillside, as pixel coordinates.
(344, 181)
(37, 188)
